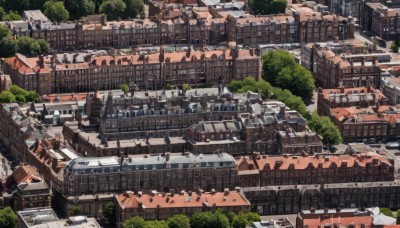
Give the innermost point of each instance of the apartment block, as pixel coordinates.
(25, 189)
(52, 74)
(332, 70)
(161, 206)
(382, 20)
(362, 97)
(390, 87)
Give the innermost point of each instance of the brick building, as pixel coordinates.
(25, 189)
(51, 74)
(290, 199)
(161, 206)
(381, 20)
(262, 30)
(349, 70)
(390, 87)
(358, 125)
(334, 217)
(198, 120)
(315, 26)
(362, 97)
(314, 169)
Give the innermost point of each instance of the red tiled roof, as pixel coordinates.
(219, 199)
(302, 162)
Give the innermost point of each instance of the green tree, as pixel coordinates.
(7, 97)
(209, 219)
(109, 211)
(16, 5)
(125, 88)
(24, 44)
(35, 48)
(179, 221)
(168, 86)
(186, 86)
(324, 127)
(298, 80)
(8, 218)
(76, 210)
(251, 217)
(250, 84)
(55, 11)
(239, 222)
(156, 224)
(386, 211)
(4, 31)
(11, 16)
(113, 8)
(44, 45)
(2, 12)
(80, 8)
(231, 216)
(20, 98)
(16, 90)
(8, 46)
(274, 62)
(394, 48)
(133, 8)
(32, 96)
(398, 217)
(265, 7)
(134, 222)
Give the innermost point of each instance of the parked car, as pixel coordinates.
(392, 145)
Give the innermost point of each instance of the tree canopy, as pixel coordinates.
(281, 70)
(133, 8)
(114, 9)
(179, 221)
(209, 219)
(8, 45)
(325, 127)
(134, 222)
(11, 16)
(29, 46)
(80, 8)
(386, 211)
(265, 7)
(125, 88)
(8, 218)
(15, 93)
(55, 11)
(109, 211)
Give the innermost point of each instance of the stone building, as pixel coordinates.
(361, 97)
(148, 71)
(198, 120)
(161, 206)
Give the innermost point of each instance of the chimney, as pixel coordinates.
(251, 51)
(172, 192)
(213, 191)
(226, 191)
(161, 55)
(167, 156)
(41, 61)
